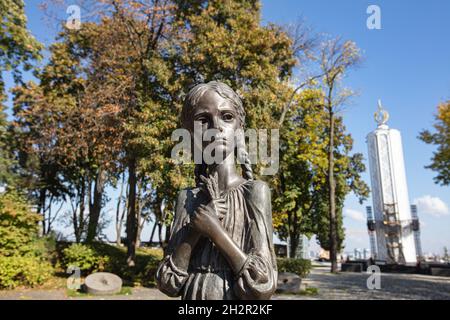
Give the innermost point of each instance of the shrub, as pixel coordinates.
(23, 256)
(45, 247)
(27, 270)
(149, 272)
(143, 273)
(84, 257)
(18, 225)
(301, 267)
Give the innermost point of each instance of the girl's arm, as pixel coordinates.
(205, 221)
(172, 271)
(182, 254)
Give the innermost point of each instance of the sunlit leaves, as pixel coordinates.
(441, 138)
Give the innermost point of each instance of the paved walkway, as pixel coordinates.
(342, 286)
(353, 286)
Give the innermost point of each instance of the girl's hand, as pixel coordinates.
(205, 221)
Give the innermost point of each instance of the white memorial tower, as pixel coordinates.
(393, 224)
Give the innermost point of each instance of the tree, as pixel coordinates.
(336, 59)
(127, 47)
(348, 169)
(71, 141)
(18, 49)
(301, 196)
(227, 43)
(441, 138)
(147, 104)
(300, 178)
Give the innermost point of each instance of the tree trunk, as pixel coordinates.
(75, 219)
(95, 207)
(139, 222)
(119, 218)
(78, 223)
(166, 238)
(160, 234)
(294, 236)
(331, 186)
(131, 227)
(118, 234)
(41, 207)
(49, 216)
(82, 208)
(289, 232)
(294, 242)
(139, 229)
(152, 233)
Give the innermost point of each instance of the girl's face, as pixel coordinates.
(219, 117)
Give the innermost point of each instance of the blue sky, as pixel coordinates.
(406, 64)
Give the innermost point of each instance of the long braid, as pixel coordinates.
(246, 164)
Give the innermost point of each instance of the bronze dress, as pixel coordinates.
(248, 221)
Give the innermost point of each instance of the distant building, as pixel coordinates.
(303, 248)
(393, 224)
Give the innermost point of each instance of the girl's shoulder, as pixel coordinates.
(257, 188)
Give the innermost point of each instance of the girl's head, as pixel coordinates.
(199, 91)
(215, 106)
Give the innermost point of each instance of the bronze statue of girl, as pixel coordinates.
(221, 241)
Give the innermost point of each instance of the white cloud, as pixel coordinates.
(431, 205)
(355, 238)
(356, 232)
(355, 215)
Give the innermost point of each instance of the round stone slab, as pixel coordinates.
(288, 282)
(103, 283)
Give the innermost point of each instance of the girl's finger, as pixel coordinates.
(203, 178)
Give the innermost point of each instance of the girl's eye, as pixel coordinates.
(202, 120)
(228, 117)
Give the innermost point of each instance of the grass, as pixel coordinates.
(57, 281)
(309, 291)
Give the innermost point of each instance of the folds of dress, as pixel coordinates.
(248, 222)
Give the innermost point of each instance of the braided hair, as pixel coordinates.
(223, 90)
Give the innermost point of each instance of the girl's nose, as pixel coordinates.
(216, 124)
